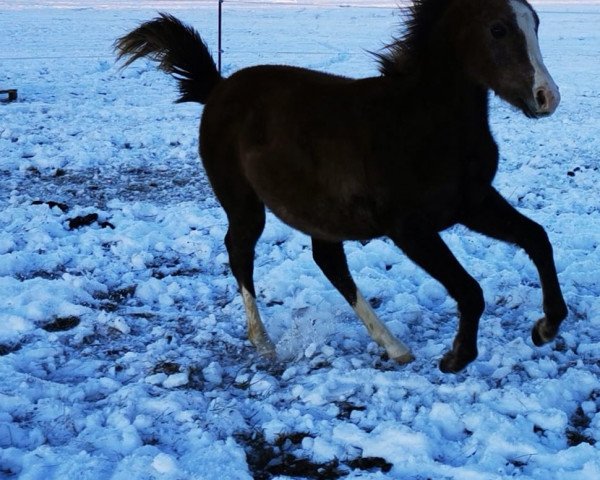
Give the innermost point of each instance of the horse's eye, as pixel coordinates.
(498, 30)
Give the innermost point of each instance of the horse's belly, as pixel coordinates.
(328, 225)
(324, 217)
(323, 196)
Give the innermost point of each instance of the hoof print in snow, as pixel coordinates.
(62, 324)
(170, 368)
(579, 422)
(114, 298)
(375, 302)
(61, 206)
(120, 294)
(346, 409)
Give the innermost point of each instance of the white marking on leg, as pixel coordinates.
(380, 333)
(256, 330)
(542, 79)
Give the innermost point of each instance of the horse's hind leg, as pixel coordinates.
(246, 223)
(330, 257)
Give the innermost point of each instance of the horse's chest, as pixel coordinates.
(440, 191)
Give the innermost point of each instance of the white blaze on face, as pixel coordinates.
(545, 91)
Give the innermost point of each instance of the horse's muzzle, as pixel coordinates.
(545, 101)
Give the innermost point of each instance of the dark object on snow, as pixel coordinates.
(62, 206)
(62, 324)
(5, 349)
(406, 154)
(82, 221)
(9, 95)
(107, 225)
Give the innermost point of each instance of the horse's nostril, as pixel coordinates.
(540, 97)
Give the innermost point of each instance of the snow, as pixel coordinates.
(122, 341)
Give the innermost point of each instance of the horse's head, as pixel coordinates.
(499, 44)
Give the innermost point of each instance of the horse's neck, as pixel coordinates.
(442, 79)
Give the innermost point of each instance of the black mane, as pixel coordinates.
(418, 23)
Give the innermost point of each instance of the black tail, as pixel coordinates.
(180, 51)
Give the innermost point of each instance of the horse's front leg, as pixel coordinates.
(425, 247)
(495, 217)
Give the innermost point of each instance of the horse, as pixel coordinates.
(405, 154)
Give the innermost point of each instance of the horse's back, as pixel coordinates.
(275, 96)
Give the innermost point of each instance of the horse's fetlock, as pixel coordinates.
(472, 304)
(464, 351)
(557, 312)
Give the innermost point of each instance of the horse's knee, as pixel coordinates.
(536, 240)
(539, 233)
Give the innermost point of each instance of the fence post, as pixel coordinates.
(11, 95)
(220, 43)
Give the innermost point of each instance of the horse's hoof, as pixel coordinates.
(541, 333)
(404, 358)
(268, 353)
(266, 349)
(453, 363)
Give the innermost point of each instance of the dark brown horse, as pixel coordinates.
(406, 154)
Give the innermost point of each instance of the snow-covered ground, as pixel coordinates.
(122, 341)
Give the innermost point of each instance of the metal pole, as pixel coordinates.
(220, 43)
